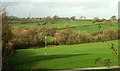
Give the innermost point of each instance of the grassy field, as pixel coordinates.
(90, 29)
(64, 57)
(59, 24)
(16, 26)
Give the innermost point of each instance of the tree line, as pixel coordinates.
(54, 19)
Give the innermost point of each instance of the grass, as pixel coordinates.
(16, 26)
(59, 24)
(64, 57)
(90, 29)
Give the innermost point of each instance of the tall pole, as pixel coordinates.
(45, 47)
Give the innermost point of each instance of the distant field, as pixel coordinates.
(64, 57)
(16, 26)
(90, 29)
(59, 24)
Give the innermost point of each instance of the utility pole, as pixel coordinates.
(45, 46)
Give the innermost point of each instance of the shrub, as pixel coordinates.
(108, 22)
(51, 31)
(66, 25)
(80, 38)
(30, 37)
(73, 39)
(7, 36)
(111, 33)
(63, 36)
(97, 33)
(59, 38)
(85, 38)
(98, 38)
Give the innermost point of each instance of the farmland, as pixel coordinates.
(79, 52)
(60, 24)
(61, 35)
(90, 29)
(64, 57)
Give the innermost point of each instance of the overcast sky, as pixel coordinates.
(62, 8)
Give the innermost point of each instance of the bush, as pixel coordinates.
(27, 37)
(73, 39)
(96, 33)
(51, 31)
(108, 22)
(77, 38)
(111, 33)
(99, 38)
(66, 25)
(59, 38)
(85, 38)
(63, 36)
(7, 36)
(30, 37)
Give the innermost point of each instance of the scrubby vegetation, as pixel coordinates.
(25, 37)
(7, 36)
(76, 38)
(71, 31)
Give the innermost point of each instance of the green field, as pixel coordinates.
(90, 29)
(16, 26)
(64, 57)
(59, 24)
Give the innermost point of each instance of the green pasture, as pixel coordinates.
(90, 29)
(59, 24)
(16, 26)
(64, 56)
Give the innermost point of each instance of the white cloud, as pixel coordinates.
(60, 0)
(89, 9)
